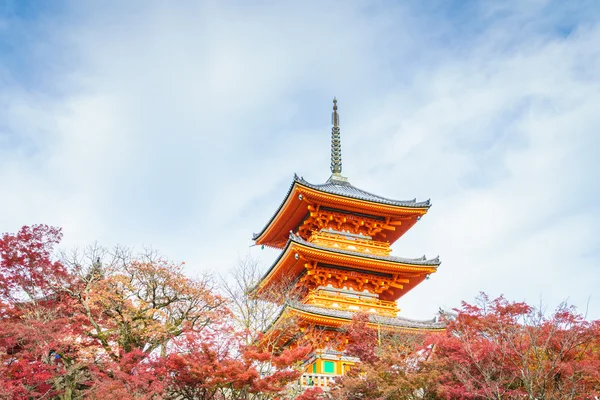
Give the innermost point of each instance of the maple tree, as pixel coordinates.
(139, 303)
(500, 349)
(28, 272)
(99, 324)
(102, 324)
(35, 317)
(394, 365)
(216, 367)
(493, 349)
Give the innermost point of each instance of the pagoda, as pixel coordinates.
(335, 262)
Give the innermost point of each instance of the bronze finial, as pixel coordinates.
(336, 145)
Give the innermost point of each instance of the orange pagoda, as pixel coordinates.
(335, 259)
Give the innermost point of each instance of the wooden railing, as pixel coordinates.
(350, 243)
(382, 307)
(317, 380)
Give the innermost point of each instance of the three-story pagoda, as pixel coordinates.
(335, 259)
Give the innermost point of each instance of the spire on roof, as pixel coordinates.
(336, 145)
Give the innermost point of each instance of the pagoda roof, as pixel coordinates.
(434, 262)
(336, 193)
(290, 264)
(375, 319)
(335, 318)
(344, 188)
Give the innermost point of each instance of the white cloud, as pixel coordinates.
(180, 127)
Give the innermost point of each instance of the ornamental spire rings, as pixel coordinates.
(336, 145)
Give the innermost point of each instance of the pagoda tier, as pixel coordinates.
(344, 262)
(324, 326)
(338, 205)
(329, 317)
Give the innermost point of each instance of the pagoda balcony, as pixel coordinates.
(349, 241)
(353, 301)
(324, 381)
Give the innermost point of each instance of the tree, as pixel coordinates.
(251, 314)
(102, 324)
(394, 365)
(493, 349)
(253, 318)
(64, 323)
(37, 331)
(219, 365)
(28, 272)
(499, 349)
(139, 303)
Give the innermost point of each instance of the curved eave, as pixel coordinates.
(422, 261)
(287, 268)
(315, 317)
(293, 210)
(336, 322)
(259, 238)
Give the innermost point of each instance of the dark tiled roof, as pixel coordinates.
(345, 189)
(434, 262)
(421, 261)
(375, 319)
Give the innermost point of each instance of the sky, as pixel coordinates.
(180, 125)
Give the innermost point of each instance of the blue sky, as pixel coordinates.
(180, 126)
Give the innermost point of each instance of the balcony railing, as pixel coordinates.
(353, 243)
(324, 381)
(322, 298)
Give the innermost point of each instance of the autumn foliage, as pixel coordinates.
(394, 365)
(493, 349)
(499, 349)
(114, 325)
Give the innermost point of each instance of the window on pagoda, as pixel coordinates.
(328, 367)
